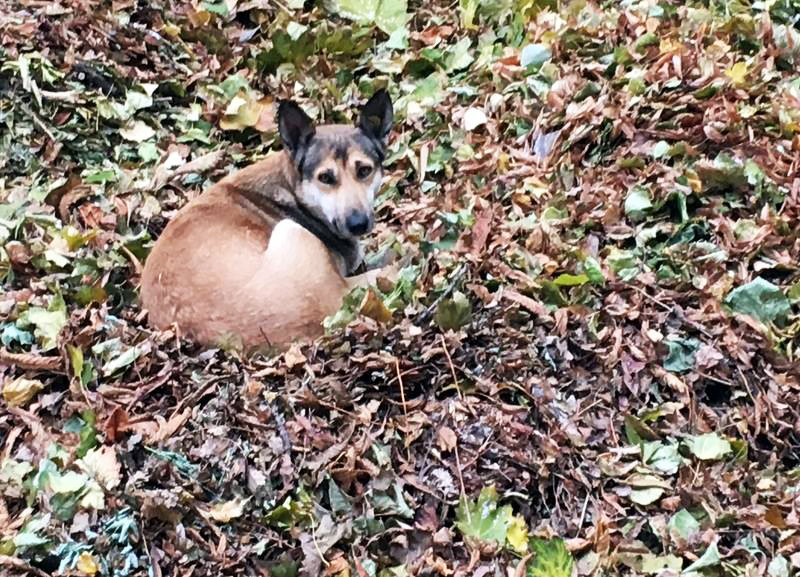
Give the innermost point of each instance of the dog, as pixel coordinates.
(265, 254)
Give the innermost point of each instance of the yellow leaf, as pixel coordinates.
(737, 73)
(372, 306)
(517, 535)
(86, 564)
(670, 45)
(694, 181)
(19, 391)
(244, 112)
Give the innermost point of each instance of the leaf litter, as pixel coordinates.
(589, 364)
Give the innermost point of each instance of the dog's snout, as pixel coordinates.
(357, 223)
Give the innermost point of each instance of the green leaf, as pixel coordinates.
(482, 520)
(87, 433)
(295, 511)
(468, 9)
(638, 202)
(683, 525)
(661, 149)
(340, 504)
(593, 270)
(13, 472)
(645, 40)
(454, 313)
(708, 447)
(458, 57)
(11, 334)
(48, 322)
(661, 457)
(148, 152)
(623, 263)
(534, 55)
(681, 355)
(571, 280)
(709, 558)
(551, 558)
(218, 8)
(778, 567)
(646, 495)
(388, 15)
(351, 304)
(760, 299)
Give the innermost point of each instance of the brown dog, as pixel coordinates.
(263, 256)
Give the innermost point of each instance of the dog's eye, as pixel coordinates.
(363, 171)
(326, 177)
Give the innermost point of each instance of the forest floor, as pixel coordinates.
(588, 367)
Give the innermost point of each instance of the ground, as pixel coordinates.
(588, 366)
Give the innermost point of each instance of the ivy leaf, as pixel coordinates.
(709, 558)
(638, 202)
(760, 299)
(454, 313)
(388, 15)
(48, 322)
(683, 525)
(661, 457)
(778, 567)
(681, 355)
(593, 270)
(482, 520)
(551, 559)
(708, 447)
(534, 55)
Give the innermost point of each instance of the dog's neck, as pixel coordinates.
(269, 188)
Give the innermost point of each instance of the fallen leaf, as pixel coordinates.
(137, 131)
(473, 118)
(708, 447)
(21, 390)
(226, 511)
(86, 564)
(101, 464)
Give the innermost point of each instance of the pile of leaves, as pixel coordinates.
(588, 366)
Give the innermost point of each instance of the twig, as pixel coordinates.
(402, 398)
(583, 514)
(452, 368)
(461, 481)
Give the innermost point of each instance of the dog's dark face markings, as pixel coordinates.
(339, 165)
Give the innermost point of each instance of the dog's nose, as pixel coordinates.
(357, 223)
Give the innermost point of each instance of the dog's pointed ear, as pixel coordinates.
(377, 116)
(294, 125)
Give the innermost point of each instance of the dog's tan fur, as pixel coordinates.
(239, 264)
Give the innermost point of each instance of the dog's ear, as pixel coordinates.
(294, 125)
(377, 116)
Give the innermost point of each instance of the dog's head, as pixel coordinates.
(339, 166)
